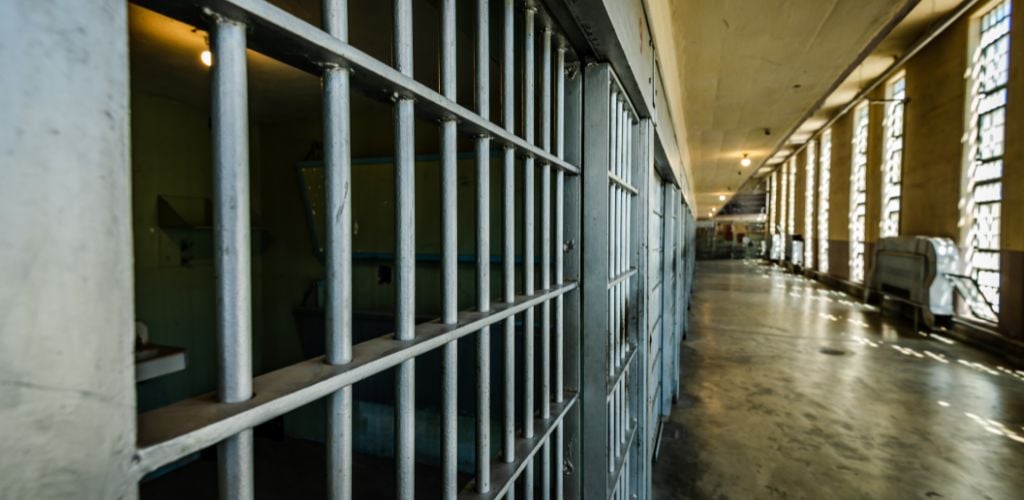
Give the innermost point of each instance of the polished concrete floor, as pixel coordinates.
(790, 390)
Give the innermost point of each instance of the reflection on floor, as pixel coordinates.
(790, 390)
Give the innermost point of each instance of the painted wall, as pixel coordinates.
(839, 187)
(933, 160)
(799, 192)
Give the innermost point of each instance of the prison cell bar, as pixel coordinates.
(405, 259)
(545, 253)
(449, 259)
(483, 253)
(508, 199)
(559, 255)
(338, 310)
(528, 236)
(232, 259)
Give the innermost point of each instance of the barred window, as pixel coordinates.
(809, 165)
(784, 200)
(988, 77)
(825, 159)
(892, 168)
(858, 192)
(773, 203)
(791, 200)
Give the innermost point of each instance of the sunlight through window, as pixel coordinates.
(988, 79)
(858, 193)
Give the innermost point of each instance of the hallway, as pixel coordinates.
(790, 390)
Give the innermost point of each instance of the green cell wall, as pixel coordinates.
(171, 157)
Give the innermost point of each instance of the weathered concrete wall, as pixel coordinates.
(67, 417)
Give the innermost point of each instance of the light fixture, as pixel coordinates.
(745, 161)
(721, 197)
(206, 57)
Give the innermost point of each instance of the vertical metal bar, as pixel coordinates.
(619, 251)
(528, 236)
(232, 253)
(545, 226)
(624, 225)
(613, 303)
(508, 177)
(528, 215)
(612, 163)
(449, 258)
(545, 258)
(617, 242)
(405, 257)
(483, 254)
(559, 256)
(338, 187)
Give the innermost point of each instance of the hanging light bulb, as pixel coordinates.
(745, 161)
(207, 57)
(721, 197)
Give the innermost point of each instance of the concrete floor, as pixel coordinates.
(790, 390)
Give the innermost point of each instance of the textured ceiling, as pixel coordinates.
(743, 67)
(915, 25)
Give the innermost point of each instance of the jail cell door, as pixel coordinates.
(546, 149)
(611, 289)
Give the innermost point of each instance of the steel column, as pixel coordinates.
(573, 149)
(595, 369)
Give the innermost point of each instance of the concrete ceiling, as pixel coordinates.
(738, 68)
(915, 25)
